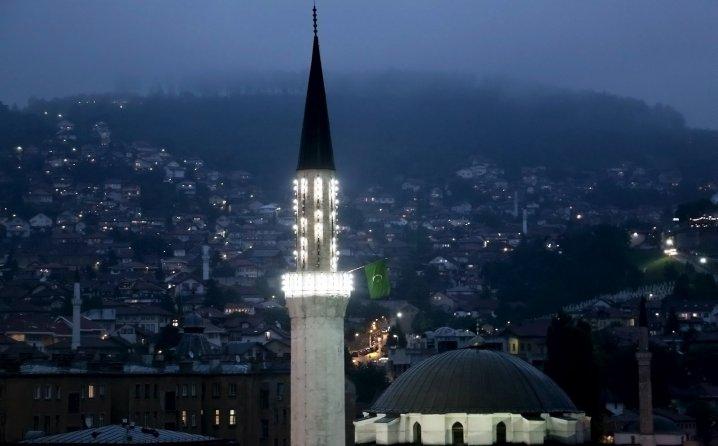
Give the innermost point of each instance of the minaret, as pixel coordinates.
(76, 303)
(205, 263)
(317, 293)
(645, 396)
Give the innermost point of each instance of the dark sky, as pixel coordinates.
(660, 51)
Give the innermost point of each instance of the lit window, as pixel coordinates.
(232, 417)
(183, 418)
(216, 417)
(91, 391)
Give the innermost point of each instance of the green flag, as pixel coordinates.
(377, 279)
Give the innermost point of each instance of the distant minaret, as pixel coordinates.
(76, 303)
(205, 263)
(525, 224)
(317, 293)
(516, 204)
(645, 395)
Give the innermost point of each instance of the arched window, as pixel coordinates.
(417, 434)
(457, 434)
(501, 433)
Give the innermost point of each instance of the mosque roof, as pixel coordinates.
(473, 380)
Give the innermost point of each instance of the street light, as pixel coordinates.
(703, 260)
(398, 315)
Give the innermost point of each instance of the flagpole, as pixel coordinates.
(363, 266)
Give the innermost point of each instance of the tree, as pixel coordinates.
(570, 362)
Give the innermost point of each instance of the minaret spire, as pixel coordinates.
(315, 148)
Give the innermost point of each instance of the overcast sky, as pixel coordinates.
(655, 50)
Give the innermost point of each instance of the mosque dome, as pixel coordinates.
(473, 381)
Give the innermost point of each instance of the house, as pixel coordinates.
(17, 227)
(40, 222)
(148, 318)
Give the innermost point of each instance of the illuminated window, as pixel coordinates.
(183, 418)
(91, 391)
(216, 417)
(232, 417)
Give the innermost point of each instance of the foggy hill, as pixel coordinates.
(408, 124)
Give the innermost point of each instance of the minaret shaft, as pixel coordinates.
(645, 390)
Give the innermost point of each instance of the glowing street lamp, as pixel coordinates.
(703, 260)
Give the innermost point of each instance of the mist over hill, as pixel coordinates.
(397, 123)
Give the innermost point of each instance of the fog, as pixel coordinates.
(658, 51)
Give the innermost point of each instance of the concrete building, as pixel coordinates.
(473, 397)
(226, 401)
(317, 293)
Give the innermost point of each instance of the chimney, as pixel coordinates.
(76, 303)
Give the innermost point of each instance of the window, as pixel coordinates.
(280, 391)
(146, 419)
(193, 419)
(217, 418)
(183, 418)
(101, 390)
(58, 394)
(232, 417)
(232, 390)
(457, 434)
(101, 420)
(216, 390)
(264, 433)
(147, 391)
(185, 390)
(89, 420)
(193, 390)
(501, 433)
(137, 391)
(36, 422)
(263, 397)
(417, 434)
(37, 394)
(48, 392)
(156, 393)
(90, 391)
(47, 425)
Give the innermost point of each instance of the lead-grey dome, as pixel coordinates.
(473, 381)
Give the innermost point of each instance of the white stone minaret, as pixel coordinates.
(76, 322)
(205, 263)
(317, 293)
